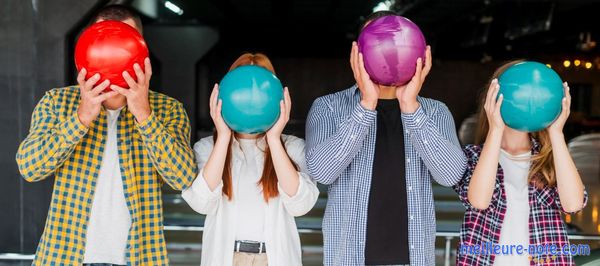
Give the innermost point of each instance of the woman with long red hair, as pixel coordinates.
(515, 188)
(251, 186)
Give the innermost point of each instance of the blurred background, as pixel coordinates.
(193, 42)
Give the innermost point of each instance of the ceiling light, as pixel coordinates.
(173, 7)
(384, 5)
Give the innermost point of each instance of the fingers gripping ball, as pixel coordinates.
(391, 46)
(251, 96)
(109, 48)
(532, 96)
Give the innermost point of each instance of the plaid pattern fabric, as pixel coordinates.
(483, 226)
(150, 153)
(340, 137)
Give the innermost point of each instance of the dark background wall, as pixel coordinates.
(308, 42)
(32, 60)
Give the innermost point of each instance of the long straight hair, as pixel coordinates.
(542, 172)
(268, 180)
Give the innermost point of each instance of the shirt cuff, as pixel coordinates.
(148, 127)
(285, 197)
(363, 115)
(415, 120)
(73, 129)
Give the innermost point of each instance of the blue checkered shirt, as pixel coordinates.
(340, 137)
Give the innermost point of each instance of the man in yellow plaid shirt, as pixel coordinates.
(110, 153)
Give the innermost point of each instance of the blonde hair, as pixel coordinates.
(542, 172)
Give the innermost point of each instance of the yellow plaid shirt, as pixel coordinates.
(151, 153)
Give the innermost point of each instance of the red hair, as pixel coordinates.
(268, 180)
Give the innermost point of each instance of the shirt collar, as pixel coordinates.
(237, 151)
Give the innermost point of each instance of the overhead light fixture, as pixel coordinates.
(567, 63)
(384, 5)
(588, 65)
(173, 7)
(577, 62)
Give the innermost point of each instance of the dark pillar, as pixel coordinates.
(33, 59)
(179, 48)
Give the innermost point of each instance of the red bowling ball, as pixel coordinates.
(109, 48)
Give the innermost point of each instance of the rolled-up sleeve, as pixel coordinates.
(199, 195)
(307, 194)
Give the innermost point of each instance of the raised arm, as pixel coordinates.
(51, 140)
(570, 188)
(433, 134)
(332, 145)
(481, 186)
(296, 189)
(167, 141)
(435, 141)
(206, 191)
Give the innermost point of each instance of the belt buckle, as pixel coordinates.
(237, 246)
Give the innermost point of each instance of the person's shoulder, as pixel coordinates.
(162, 101)
(290, 140)
(430, 104)
(472, 150)
(204, 143)
(340, 97)
(64, 92)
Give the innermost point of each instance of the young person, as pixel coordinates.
(515, 188)
(110, 153)
(377, 148)
(250, 187)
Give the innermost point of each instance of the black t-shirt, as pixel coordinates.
(387, 220)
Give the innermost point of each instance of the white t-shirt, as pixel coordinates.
(108, 227)
(251, 204)
(515, 228)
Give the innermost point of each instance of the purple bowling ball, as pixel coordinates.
(391, 46)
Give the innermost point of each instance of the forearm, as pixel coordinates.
(328, 154)
(41, 153)
(568, 181)
(168, 148)
(481, 186)
(434, 139)
(286, 173)
(213, 169)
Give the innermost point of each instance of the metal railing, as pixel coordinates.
(449, 236)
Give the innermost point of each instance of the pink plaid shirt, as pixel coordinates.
(482, 227)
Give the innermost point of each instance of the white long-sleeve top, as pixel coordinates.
(280, 235)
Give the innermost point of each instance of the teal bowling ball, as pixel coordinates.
(251, 96)
(533, 95)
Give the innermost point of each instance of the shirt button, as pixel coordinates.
(412, 247)
(497, 185)
(352, 136)
(412, 217)
(409, 188)
(408, 160)
(418, 120)
(360, 115)
(425, 142)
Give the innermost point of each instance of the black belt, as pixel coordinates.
(249, 246)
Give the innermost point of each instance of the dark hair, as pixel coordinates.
(376, 15)
(119, 13)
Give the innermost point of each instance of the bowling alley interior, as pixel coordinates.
(193, 43)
